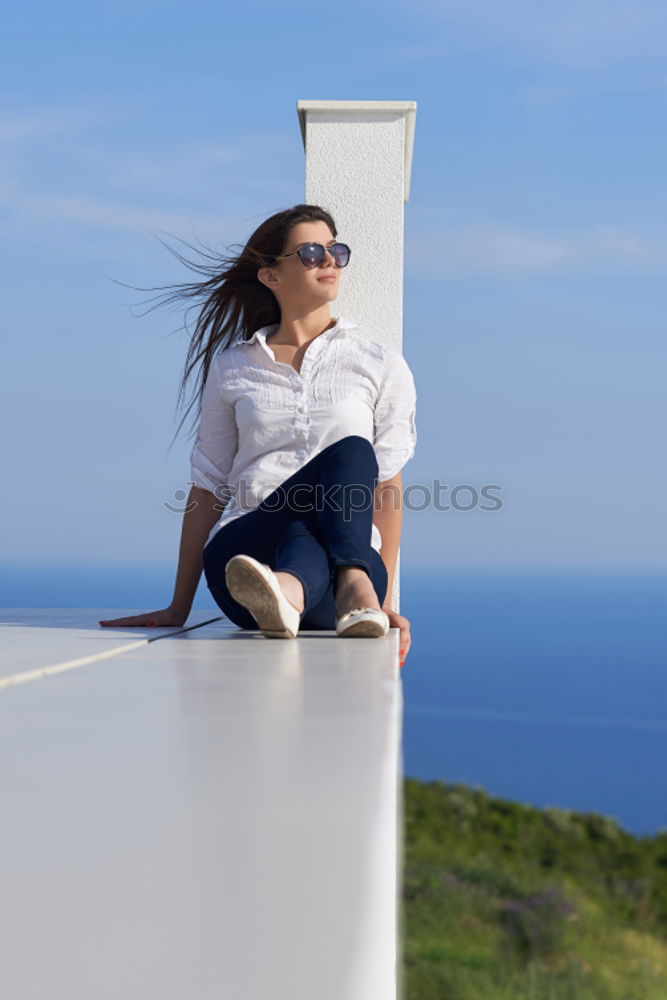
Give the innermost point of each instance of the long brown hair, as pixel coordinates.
(231, 300)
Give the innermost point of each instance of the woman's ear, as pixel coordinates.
(266, 276)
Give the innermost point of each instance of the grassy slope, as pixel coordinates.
(502, 900)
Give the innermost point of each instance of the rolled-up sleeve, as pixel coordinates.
(395, 413)
(217, 436)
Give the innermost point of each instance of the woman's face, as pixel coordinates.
(296, 286)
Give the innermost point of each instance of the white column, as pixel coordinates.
(358, 164)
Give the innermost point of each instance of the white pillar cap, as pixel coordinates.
(367, 108)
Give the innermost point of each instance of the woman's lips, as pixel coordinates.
(328, 278)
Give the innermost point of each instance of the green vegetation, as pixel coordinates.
(503, 901)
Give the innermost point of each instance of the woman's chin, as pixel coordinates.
(322, 296)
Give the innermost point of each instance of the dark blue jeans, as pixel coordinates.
(318, 519)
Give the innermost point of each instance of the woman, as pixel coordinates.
(304, 428)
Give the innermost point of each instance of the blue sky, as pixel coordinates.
(535, 264)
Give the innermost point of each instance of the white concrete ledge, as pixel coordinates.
(210, 814)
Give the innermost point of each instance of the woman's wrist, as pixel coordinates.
(183, 608)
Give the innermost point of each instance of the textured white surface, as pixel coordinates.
(357, 153)
(214, 814)
(354, 169)
(407, 108)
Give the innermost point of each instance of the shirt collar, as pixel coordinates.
(265, 331)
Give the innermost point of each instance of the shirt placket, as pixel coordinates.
(301, 390)
(302, 380)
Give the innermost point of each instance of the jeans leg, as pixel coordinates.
(288, 546)
(347, 473)
(323, 615)
(300, 553)
(231, 540)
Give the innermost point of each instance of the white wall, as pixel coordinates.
(358, 161)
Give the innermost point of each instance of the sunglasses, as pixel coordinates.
(312, 254)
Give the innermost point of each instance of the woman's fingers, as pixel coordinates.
(137, 620)
(163, 617)
(404, 641)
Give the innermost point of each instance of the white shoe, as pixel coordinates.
(362, 623)
(254, 585)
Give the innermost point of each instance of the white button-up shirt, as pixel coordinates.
(261, 420)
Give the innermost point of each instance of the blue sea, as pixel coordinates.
(549, 688)
(546, 687)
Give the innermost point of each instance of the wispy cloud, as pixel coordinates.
(558, 87)
(108, 213)
(479, 249)
(158, 173)
(575, 33)
(67, 166)
(19, 128)
(22, 126)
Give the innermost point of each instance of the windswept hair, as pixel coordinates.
(231, 301)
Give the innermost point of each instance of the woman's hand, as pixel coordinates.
(399, 621)
(166, 617)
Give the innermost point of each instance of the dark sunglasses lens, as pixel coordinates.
(340, 254)
(311, 254)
